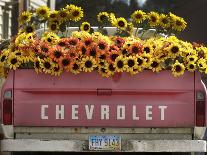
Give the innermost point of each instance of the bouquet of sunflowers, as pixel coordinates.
(57, 49)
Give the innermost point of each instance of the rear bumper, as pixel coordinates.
(35, 145)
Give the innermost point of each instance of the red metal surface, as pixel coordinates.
(145, 91)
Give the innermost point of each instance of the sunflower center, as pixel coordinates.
(49, 39)
(191, 66)
(121, 23)
(52, 15)
(3, 58)
(65, 62)
(138, 16)
(72, 55)
(175, 49)
(88, 64)
(83, 49)
(153, 19)
(102, 56)
(57, 54)
(37, 64)
(139, 61)
(75, 13)
(42, 12)
(13, 61)
(56, 69)
(25, 17)
(131, 63)
(147, 49)
(47, 65)
(93, 53)
(53, 27)
(154, 64)
(178, 23)
(87, 42)
(178, 68)
(114, 56)
(111, 68)
(120, 64)
(63, 14)
(44, 49)
(61, 43)
(164, 20)
(135, 49)
(29, 29)
(124, 51)
(191, 59)
(86, 27)
(75, 67)
(102, 17)
(72, 42)
(101, 46)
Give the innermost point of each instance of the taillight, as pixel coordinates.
(7, 107)
(200, 108)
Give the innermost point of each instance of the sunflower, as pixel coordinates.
(147, 48)
(76, 13)
(47, 65)
(153, 18)
(112, 55)
(138, 16)
(102, 17)
(174, 50)
(27, 55)
(135, 48)
(110, 69)
(121, 23)
(155, 65)
(53, 26)
(112, 19)
(141, 63)
(50, 37)
(192, 58)
(3, 57)
(92, 51)
(37, 66)
(120, 64)
(85, 26)
(63, 15)
(76, 68)
(178, 69)
(43, 12)
(56, 70)
(164, 21)
(88, 64)
(131, 63)
(119, 41)
(88, 41)
(24, 17)
(191, 66)
(29, 29)
(56, 53)
(13, 61)
(102, 46)
(201, 64)
(178, 23)
(44, 48)
(53, 16)
(72, 41)
(65, 62)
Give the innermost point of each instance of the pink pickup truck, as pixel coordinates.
(148, 112)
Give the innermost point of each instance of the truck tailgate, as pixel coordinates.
(145, 100)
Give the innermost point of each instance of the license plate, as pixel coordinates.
(105, 143)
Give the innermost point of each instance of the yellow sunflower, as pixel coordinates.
(27, 55)
(191, 67)
(85, 26)
(112, 19)
(50, 37)
(3, 57)
(201, 64)
(56, 70)
(178, 23)
(155, 65)
(63, 15)
(164, 21)
(88, 64)
(131, 64)
(37, 66)
(76, 68)
(76, 13)
(121, 23)
(138, 16)
(147, 48)
(153, 18)
(174, 50)
(47, 65)
(43, 12)
(192, 58)
(102, 17)
(13, 61)
(29, 29)
(24, 17)
(120, 64)
(148, 59)
(178, 69)
(53, 26)
(53, 16)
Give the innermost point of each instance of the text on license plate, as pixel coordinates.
(106, 142)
